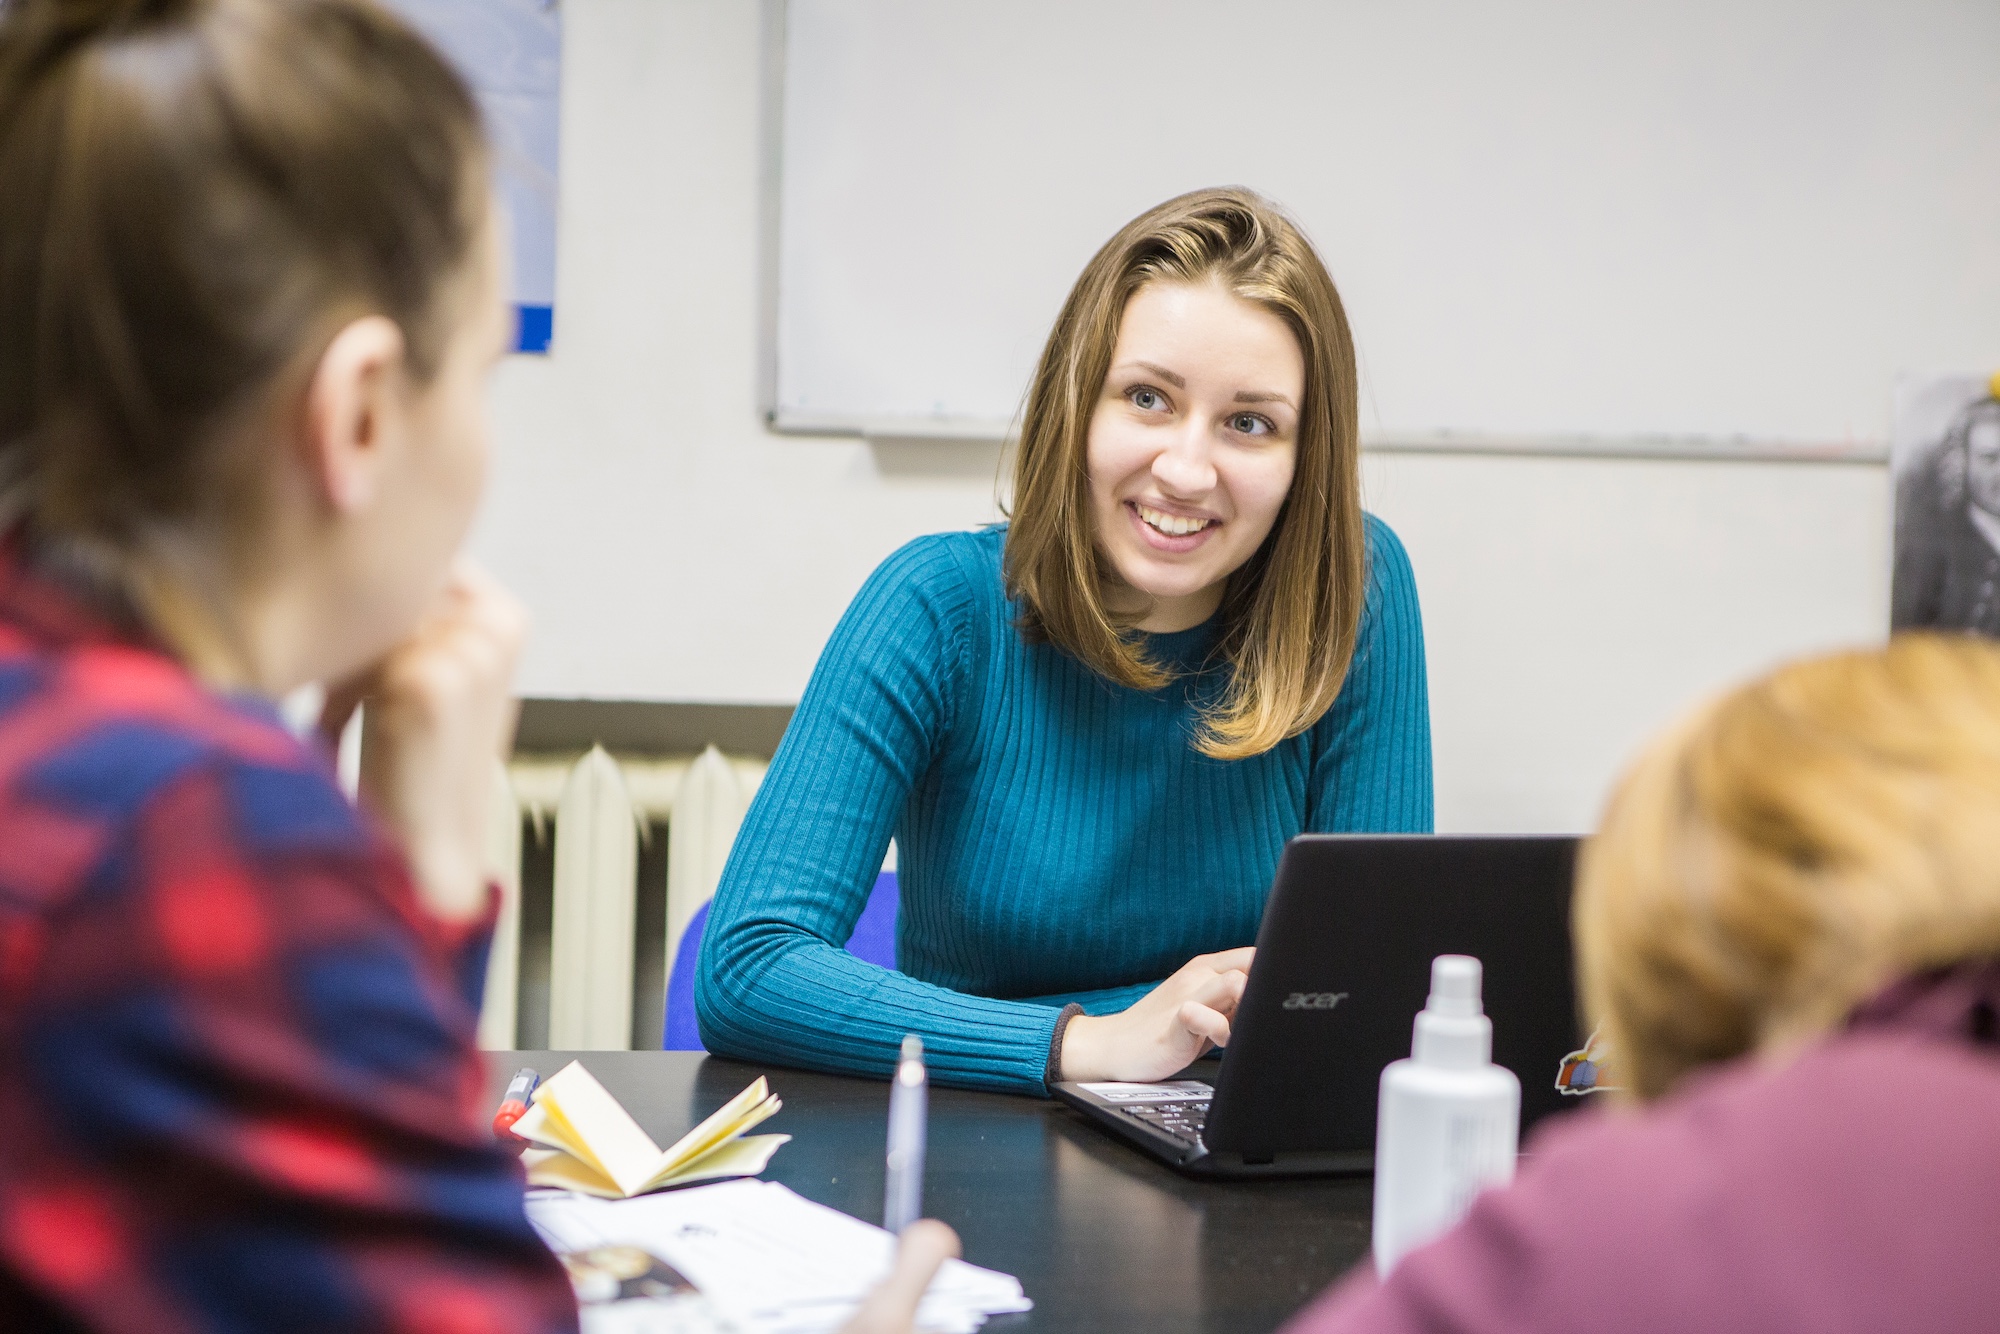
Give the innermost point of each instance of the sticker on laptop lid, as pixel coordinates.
(1583, 1071)
(1174, 1090)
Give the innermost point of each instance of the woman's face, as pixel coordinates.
(400, 552)
(1982, 463)
(448, 416)
(1192, 447)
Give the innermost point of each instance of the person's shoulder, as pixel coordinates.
(963, 555)
(1923, 1105)
(112, 722)
(1749, 1122)
(101, 734)
(954, 573)
(1388, 560)
(1391, 620)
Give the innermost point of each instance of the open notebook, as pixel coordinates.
(593, 1146)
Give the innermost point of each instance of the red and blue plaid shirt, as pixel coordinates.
(238, 1088)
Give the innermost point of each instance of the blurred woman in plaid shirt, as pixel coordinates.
(250, 289)
(249, 294)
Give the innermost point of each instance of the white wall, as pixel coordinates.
(671, 548)
(1572, 606)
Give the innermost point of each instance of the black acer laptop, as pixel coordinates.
(1343, 965)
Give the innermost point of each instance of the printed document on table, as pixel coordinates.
(772, 1261)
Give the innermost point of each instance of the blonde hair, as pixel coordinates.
(1290, 615)
(1789, 851)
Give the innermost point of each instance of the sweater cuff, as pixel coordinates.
(1052, 1072)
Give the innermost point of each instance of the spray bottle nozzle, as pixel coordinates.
(1452, 1029)
(1454, 986)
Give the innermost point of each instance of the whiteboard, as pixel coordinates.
(1721, 219)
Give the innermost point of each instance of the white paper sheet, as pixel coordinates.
(772, 1261)
(1173, 1090)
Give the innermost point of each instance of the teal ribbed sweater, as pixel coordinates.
(1058, 837)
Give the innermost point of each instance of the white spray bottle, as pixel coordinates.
(1448, 1120)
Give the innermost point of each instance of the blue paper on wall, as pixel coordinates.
(510, 51)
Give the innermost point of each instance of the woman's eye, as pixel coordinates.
(1146, 400)
(1249, 423)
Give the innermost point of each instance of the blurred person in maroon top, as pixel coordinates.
(1787, 929)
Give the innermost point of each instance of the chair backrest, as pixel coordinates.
(873, 941)
(874, 936)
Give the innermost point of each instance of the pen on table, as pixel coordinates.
(513, 1106)
(903, 1198)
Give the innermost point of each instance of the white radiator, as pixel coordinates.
(602, 809)
(497, 1016)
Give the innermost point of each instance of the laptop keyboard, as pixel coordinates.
(1182, 1121)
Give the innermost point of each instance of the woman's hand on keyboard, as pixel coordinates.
(1176, 1022)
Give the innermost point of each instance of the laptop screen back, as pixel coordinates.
(1343, 965)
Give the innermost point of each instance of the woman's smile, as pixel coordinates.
(1163, 530)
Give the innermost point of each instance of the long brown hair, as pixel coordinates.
(1793, 848)
(194, 196)
(1290, 615)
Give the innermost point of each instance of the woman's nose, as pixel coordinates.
(1185, 467)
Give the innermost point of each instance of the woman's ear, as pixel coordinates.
(352, 401)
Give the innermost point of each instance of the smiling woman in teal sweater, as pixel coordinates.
(1090, 732)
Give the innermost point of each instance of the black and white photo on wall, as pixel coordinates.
(1945, 457)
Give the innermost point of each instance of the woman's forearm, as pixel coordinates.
(773, 993)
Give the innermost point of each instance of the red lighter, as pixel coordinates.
(513, 1107)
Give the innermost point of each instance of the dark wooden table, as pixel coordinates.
(1101, 1236)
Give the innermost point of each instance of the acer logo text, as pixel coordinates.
(1314, 1000)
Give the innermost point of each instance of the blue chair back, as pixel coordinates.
(873, 941)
